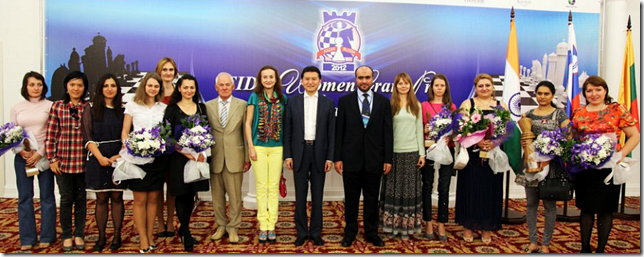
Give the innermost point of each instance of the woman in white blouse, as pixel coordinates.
(146, 111)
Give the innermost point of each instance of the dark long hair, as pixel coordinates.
(447, 96)
(75, 75)
(176, 95)
(259, 87)
(550, 87)
(99, 99)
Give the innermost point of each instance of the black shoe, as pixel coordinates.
(188, 243)
(163, 234)
(317, 240)
(376, 241)
(116, 244)
(347, 242)
(169, 233)
(100, 244)
(300, 240)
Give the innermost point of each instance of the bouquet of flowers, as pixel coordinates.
(547, 146)
(469, 129)
(141, 147)
(501, 125)
(11, 135)
(440, 127)
(595, 151)
(196, 140)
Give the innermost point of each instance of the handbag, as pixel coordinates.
(557, 188)
(283, 186)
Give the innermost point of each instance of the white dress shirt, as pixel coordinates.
(310, 115)
(144, 117)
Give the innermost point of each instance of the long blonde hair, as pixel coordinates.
(412, 101)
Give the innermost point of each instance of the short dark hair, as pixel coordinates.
(36, 75)
(311, 69)
(356, 71)
(75, 75)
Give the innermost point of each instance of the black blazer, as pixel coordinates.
(324, 131)
(357, 146)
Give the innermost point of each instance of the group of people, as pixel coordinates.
(376, 144)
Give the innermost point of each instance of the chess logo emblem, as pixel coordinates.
(571, 2)
(339, 42)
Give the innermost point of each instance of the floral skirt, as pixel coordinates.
(401, 205)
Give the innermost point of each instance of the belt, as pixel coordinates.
(309, 142)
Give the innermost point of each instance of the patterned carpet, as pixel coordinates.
(625, 236)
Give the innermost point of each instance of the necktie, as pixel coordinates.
(223, 117)
(365, 105)
(366, 112)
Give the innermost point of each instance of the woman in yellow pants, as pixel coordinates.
(263, 132)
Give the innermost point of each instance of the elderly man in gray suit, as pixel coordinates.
(226, 115)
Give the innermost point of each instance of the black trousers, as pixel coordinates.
(356, 182)
(183, 206)
(72, 195)
(305, 174)
(445, 173)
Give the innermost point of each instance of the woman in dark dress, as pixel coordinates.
(146, 111)
(600, 115)
(102, 125)
(183, 103)
(479, 192)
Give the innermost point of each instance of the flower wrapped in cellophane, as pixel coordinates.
(440, 128)
(196, 140)
(469, 129)
(141, 147)
(594, 151)
(501, 126)
(11, 135)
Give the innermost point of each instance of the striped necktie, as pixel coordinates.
(223, 117)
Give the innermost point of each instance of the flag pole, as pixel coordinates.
(567, 213)
(626, 213)
(510, 216)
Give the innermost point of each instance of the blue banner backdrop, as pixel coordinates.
(240, 36)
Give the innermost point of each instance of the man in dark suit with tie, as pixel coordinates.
(363, 151)
(309, 122)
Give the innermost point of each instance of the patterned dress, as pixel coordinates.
(592, 194)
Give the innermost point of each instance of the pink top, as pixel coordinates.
(32, 116)
(432, 109)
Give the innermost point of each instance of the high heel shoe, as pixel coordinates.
(194, 241)
(486, 240)
(469, 238)
(262, 236)
(153, 247)
(116, 244)
(163, 233)
(80, 246)
(100, 245)
(188, 243)
(144, 250)
(272, 238)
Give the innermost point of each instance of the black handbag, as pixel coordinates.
(558, 189)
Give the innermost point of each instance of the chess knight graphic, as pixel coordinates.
(339, 42)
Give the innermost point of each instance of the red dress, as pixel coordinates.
(592, 194)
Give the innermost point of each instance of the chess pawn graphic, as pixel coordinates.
(338, 56)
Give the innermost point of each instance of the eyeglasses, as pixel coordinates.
(74, 113)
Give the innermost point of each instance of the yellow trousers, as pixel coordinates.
(268, 171)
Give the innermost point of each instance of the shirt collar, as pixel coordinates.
(313, 96)
(369, 92)
(227, 100)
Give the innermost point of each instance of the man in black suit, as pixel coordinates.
(363, 151)
(309, 131)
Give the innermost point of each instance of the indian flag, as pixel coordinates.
(628, 88)
(512, 97)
